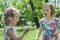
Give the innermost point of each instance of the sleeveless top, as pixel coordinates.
(6, 28)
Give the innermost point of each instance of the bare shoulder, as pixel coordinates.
(9, 32)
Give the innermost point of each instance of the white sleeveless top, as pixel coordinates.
(6, 28)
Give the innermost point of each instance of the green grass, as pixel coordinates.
(31, 35)
(1, 34)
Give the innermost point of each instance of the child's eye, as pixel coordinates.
(17, 17)
(46, 10)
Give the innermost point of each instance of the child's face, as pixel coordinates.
(47, 10)
(15, 19)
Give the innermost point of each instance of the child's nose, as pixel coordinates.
(45, 11)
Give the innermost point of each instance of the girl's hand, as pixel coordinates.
(55, 34)
(27, 29)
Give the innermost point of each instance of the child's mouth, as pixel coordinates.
(45, 14)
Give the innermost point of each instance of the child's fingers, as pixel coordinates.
(27, 29)
(55, 34)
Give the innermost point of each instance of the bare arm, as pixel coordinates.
(23, 33)
(58, 26)
(11, 34)
(39, 33)
(57, 30)
(14, 37)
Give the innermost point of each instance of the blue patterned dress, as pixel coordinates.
(49, 28)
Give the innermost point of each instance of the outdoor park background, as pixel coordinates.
(30, 14)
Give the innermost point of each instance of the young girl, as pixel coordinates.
(48, 24)
(10, 18)
(58, 28)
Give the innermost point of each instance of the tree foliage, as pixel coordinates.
(24, 7)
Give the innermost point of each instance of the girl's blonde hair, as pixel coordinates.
(51, 7)
(9, 14)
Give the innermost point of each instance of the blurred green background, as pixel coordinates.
(29, 9)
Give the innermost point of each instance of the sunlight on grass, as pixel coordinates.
(31, 35)
(1, 34)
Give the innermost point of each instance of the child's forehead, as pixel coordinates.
(46, 7)
(16, 14)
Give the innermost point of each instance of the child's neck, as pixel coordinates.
(9, 25)
(48, 18)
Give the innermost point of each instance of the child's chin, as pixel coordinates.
(14, 24)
